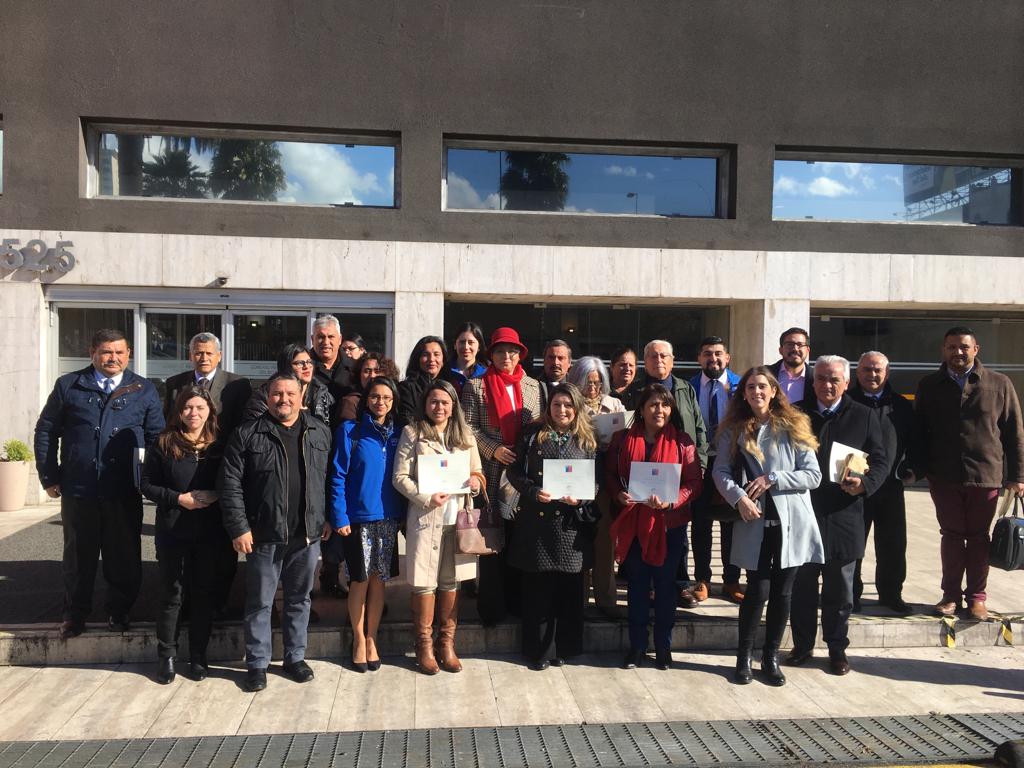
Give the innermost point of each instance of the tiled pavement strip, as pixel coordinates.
(122, 702)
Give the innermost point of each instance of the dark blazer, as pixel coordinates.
(98, 435)
(165, 478)
(229, 392)
(810, 402)
(896, 415)
(253, 484)
(841, 516)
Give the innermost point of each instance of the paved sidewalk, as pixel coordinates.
(92, 702)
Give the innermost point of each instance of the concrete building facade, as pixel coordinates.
(747, 84)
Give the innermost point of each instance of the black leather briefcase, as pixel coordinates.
(1007, 548)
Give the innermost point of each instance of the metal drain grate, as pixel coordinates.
(926, 738)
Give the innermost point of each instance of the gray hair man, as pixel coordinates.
(228, 391)
(839, 508)
(886, 510)
(331, 367)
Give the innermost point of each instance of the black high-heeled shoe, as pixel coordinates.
(165, 671)
(358, 666)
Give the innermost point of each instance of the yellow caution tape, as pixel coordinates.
(949, 622)
(1007, 630)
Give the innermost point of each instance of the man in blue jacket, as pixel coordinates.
(715, 386)
(100, 417)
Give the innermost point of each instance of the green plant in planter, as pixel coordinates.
(15, 450)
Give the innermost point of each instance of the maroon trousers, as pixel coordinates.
(965, 517)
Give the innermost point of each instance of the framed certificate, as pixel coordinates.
(648, 478)
(570, 477)
(607, 424)
(443, 472)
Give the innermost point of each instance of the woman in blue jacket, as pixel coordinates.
(365, 509)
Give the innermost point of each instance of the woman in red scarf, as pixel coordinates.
(497, 406)
(650, 533)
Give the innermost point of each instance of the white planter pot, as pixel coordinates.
(13, 485)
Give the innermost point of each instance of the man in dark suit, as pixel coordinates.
(99, 418)
(229, 391)
(839, 509)
(792, 371)
(887, 509)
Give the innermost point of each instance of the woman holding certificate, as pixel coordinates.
(498, 405)
(652, 473)
(771, 471)
(437, 468)
(553, 540)
(365, 510)
(591, 377)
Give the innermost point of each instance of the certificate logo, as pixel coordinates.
(569, 469)
(654, 472)
(444, 463)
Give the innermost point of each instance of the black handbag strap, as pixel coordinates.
(1018, 506)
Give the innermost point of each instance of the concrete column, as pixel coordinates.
(756, 326)
(416, 315)
(23, 349)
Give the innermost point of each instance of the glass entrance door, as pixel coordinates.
(167, 335)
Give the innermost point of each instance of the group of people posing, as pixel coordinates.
(327, 461)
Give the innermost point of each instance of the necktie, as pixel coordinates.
(827, 414)
(204, 383)
(712, 408)
(108, 386)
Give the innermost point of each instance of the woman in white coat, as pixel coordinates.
(433, 566)
(768, 477)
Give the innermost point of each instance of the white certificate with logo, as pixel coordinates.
(569, 477)
(649, 478)
(607, 424)
(443, 472)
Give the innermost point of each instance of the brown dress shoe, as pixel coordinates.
(838, 663)
(946, 608)
(733, 593)
(687, 600)
(978, 610)
(700, 591)
(71, 628)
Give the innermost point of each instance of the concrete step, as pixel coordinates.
(39, 644)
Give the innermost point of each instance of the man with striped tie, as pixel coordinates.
(99, 417)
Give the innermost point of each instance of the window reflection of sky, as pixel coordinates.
(598, 183)
(876, 192)
(316, 173)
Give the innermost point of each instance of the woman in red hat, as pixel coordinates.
(497, 406)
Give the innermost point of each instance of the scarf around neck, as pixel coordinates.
(505, 413)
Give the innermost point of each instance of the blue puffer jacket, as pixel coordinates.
(359, 485)
(98, 435)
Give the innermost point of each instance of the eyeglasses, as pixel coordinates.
(795, 345)
(349, 347)
(381, 398)
(302, 363)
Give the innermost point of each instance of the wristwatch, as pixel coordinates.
(772, 478)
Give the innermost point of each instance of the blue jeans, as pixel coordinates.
(641, 577)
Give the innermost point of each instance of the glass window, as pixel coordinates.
(75, 328)
(245, 168)
(372, 326)
(596, 330)
(167, 338)
(499, 179)
(913, 343)
(259, 339)
(896, 192)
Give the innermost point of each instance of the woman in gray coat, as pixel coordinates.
(768, 477)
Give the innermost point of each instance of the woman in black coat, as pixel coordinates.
(179, 475)
(426, 364)
(552, 539)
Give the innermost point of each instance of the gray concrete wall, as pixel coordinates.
(913, 75)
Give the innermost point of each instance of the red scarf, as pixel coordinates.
(640, 521)
(503, 412)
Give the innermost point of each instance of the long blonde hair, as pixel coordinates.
(581, 428)
(742, 425)
(457, 434)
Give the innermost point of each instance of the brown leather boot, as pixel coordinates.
(447, 619)
(423, 625)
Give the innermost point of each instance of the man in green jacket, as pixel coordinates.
(658, 362)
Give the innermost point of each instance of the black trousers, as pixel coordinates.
(836, 604)
(702, 533)
(111, 527)
(500, 589)
(187, 567)
(225, 568)
(552, 615)
(886, 510)
(768, 584)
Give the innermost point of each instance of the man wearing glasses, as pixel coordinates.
(791, 370)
